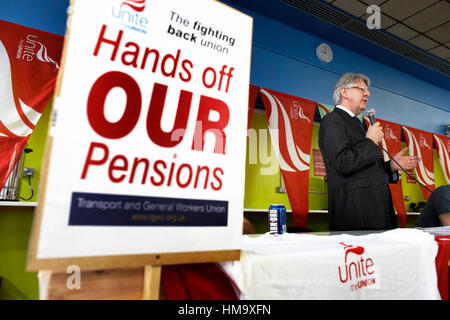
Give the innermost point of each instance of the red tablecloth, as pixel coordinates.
(203, 281)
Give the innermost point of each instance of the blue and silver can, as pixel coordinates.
(277, 219)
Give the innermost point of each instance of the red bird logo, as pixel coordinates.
(137, 5)
(349, 248)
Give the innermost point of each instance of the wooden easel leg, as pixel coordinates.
(44, 284)
(152, 282)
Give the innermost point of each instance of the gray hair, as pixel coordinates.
(346, 81)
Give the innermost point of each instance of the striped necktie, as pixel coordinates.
(359, 123)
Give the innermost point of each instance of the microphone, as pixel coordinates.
(371, 114)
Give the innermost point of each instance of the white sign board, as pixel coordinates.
(149, 130)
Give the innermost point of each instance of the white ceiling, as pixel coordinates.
(423, 23)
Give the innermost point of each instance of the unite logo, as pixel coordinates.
(297, 112)
(30, 48)
(390, 134)
(357, 271)
(423, 142)
(129, 14)
(18, 118)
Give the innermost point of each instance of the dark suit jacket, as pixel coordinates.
(358, 196)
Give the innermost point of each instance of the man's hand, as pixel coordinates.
(407, 162)
(375, 133)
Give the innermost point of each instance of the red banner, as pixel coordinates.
(29, 63)
(319, 166)
(290, 121)
(392, 143)
(420, 144)
(443, 152)
(253, 94)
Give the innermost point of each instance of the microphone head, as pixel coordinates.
(371, 114)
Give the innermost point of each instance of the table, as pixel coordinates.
(397, 264)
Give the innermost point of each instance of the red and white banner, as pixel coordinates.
(253, 94)
(420, 144)
(443, 152)
(392, 143)
(290, 121)
(29, 63)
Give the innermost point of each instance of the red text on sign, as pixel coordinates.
(130, 117)
(161, 173)
(136, 57)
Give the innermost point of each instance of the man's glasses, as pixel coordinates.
(364, 90)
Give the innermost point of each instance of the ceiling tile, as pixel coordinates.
(371, 2)
(430, 17)
(441, 51)
(402, 31)
(400, 9)
(353, 7)
(423, 42)
(441, 33)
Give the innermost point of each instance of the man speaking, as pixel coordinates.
(358, 193)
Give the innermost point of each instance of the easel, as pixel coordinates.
(114, 284)
(105, 277)
(152, 283)
(129, 283)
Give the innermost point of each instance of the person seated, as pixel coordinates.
(248, 227)
(437, 209)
